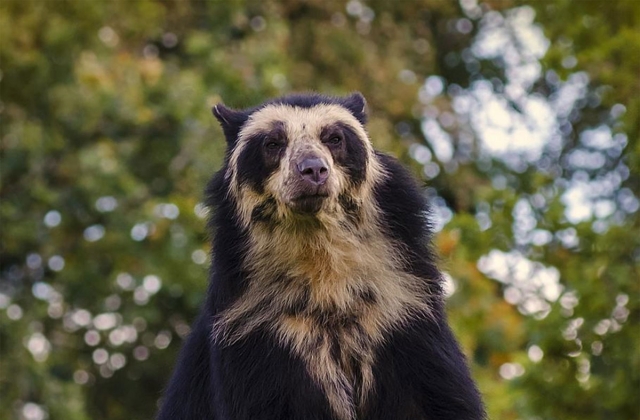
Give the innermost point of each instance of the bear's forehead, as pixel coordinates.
(298, 121)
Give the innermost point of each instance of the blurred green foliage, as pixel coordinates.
(107, 143)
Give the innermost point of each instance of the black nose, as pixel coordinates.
(314, 170)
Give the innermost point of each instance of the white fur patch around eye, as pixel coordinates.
(299, 123)
(303, 127)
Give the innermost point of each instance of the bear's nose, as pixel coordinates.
(314, 170)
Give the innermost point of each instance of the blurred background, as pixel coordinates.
(521, 117)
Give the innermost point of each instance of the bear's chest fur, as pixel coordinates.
(331, 299)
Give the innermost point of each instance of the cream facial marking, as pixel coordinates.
(303, 128)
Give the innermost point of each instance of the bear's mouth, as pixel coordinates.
(309, 203)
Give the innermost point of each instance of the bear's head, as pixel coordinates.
(299, 157)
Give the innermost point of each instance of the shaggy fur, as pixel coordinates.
(324, 301)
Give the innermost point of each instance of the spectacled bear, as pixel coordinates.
(324, 301)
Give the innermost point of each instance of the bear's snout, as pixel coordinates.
(314, 170)
(310, 186)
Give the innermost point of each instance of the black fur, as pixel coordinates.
(252, 166)
(352, 155)
(419, 372)
(231, 121)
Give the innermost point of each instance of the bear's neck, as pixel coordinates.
(330, 269)
(320, 256)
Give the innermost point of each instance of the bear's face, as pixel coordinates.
(289, 163)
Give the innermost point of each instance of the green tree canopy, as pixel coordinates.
(521, 117)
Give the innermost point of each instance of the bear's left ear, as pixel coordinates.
(357, 105)
(230, 120)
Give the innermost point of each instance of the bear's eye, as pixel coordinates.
(334, 140)
(272, 144)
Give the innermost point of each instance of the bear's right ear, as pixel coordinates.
(357, 105)
(230, 120)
